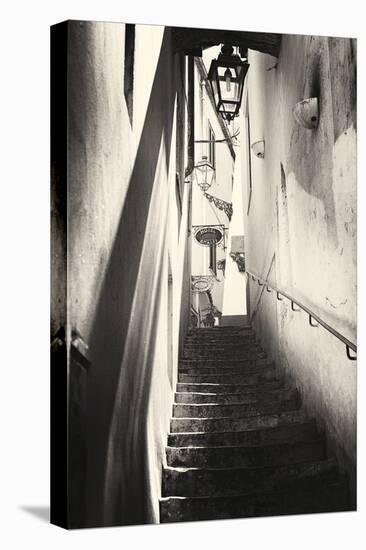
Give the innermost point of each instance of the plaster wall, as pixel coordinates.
(123, 232)
(301, 225)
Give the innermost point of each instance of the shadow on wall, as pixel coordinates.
(328, 73)
(108, 340)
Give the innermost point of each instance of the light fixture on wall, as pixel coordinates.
(204, 173)
(306, 113)
(239, 258)
(226, 76)
(258, 148)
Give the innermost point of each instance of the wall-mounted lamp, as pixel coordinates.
(204, 173)
(239, 258)
(226, 76)
(258, 148)
(306, 113)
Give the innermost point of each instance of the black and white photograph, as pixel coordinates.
(203, 320)
(182, 279)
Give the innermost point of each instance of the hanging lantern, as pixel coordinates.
(226, 76)
(204, 173)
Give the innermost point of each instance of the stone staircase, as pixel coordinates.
(240, 445)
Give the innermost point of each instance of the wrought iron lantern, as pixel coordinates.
(239, 258)
(226, 76)
(204, 173)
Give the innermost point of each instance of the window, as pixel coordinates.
(211, 146)
(129, 68)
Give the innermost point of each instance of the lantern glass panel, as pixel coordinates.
(214, 84)
(204, 174)
(228, 107)
(229, 86)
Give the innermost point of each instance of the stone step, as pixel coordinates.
(228, 337)
(229, 388)
(249, 353)
(200, 482)
(178, 425)
(257, 396)
(244, 456)
(291, 433)
(315, 498)
(241, 368)
(190, 363)
(221, 353)
(224, 340)
(224, 345)
(235, 410)
(249, 379)
(221, 330)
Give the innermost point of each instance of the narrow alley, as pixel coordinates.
(204, 274)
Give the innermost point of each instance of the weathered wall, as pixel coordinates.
(301, 225)
(121, 182)
(58, 178)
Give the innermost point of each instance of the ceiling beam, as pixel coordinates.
(192, 41)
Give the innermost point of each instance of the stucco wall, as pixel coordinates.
(121, 182)
(301, 227)
(58, 179)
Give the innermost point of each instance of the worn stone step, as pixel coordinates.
(241, 368)
(219, 362)
(220, 337)
(221, 340)
(192, 398)
(254, 352)
(226, 329)
(229, 388)
(224, 340)
(236, 410)
(212, 352)
(244, 456)
(236, 424)
(315, 498)
(248, 379)
(199, 482)
(223, 345)
(292, 433)
(201, 332)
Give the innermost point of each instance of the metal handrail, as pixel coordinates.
(312, 316)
